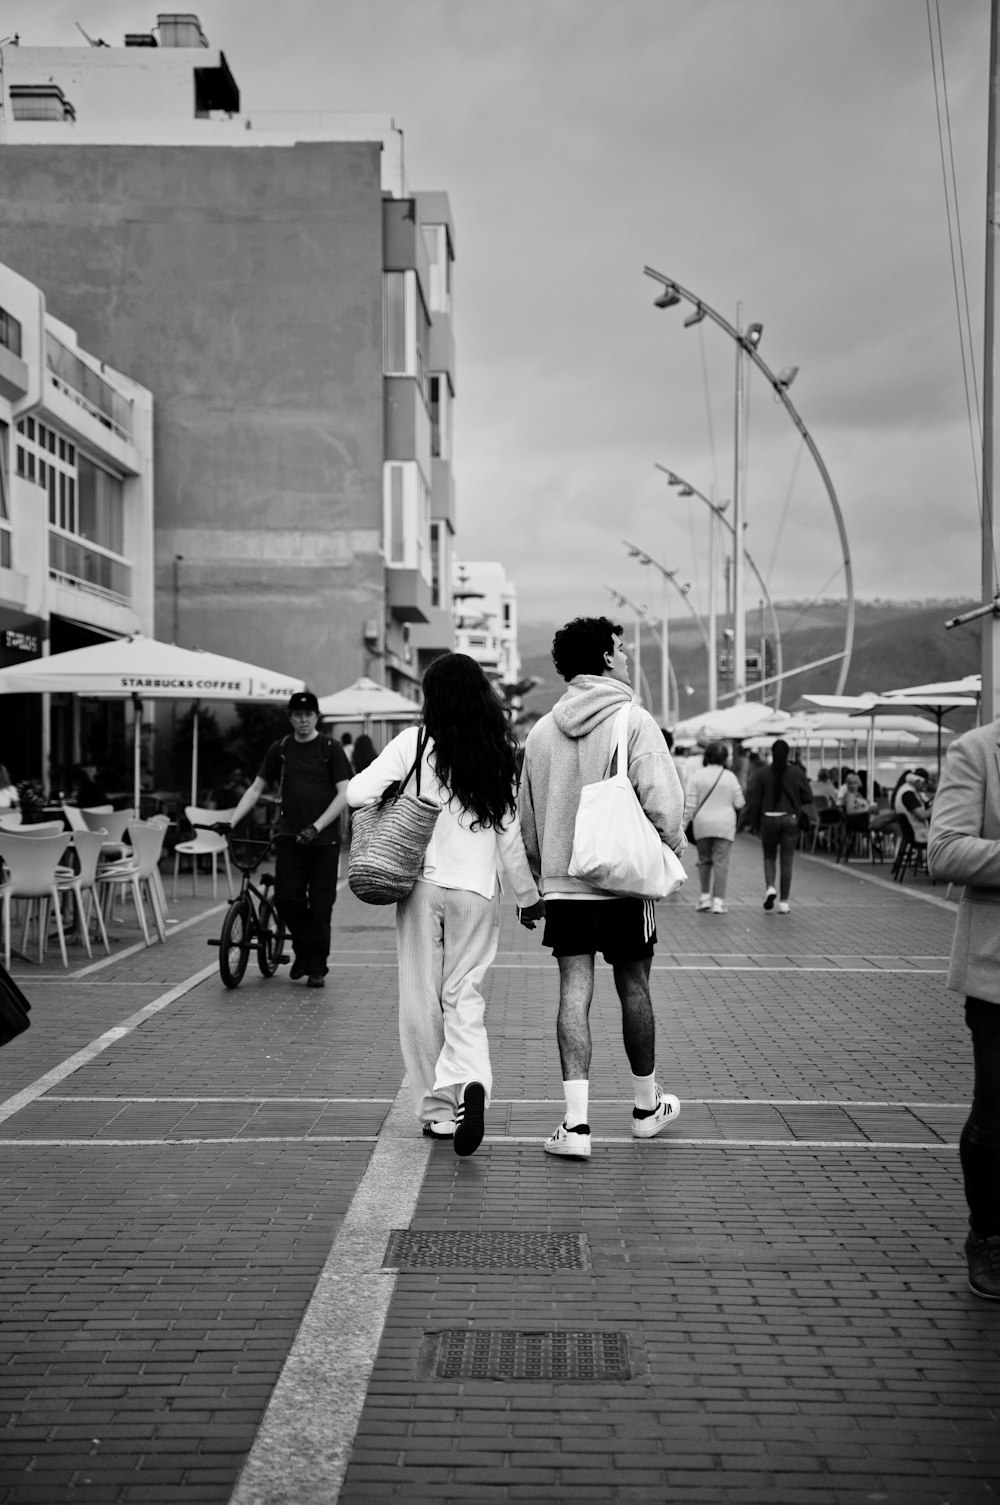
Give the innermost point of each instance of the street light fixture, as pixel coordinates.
(673, 293)
(718, 511)
(667, 676)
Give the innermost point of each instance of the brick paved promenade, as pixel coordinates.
(233, 1271)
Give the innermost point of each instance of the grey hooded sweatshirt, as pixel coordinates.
(570, 747)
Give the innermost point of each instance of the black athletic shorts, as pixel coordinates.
(623, 930)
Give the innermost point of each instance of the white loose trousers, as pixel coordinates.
(445, 940)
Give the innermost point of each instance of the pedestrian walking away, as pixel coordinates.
(311, 774)
(713, 798)
(565, 750)
(447, 928)
(779, 806)
(964, 847)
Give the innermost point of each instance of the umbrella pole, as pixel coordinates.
(194, 755)
(137, 753)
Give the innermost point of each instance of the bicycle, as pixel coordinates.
(252, 921)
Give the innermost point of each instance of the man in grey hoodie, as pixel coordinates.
(565, 750)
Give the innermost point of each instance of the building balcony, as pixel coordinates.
(408, 595)
(87, 567)
(88, 388)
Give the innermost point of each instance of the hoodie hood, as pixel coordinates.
(590, 700)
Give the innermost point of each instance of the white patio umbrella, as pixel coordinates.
(736, 721)
(367, 701)
(935, 704)
(140, 668)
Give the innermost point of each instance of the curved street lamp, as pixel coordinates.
(641, 615)
(747, 342)
(666, 670)
(718, 510)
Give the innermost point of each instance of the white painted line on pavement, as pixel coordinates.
(66, 1068)
(181, 1097)
(302, 1447)
(750, 1144)
(175, 1140)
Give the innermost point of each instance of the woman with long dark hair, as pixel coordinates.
(447, 928)
(779, 806)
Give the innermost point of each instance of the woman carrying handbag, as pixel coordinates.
(713, 799)
(447, 927)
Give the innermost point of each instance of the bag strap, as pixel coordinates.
(415, 766)
(619, 744)
(707, 796)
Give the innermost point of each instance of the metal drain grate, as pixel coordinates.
(580, 1358)
(460, 1249)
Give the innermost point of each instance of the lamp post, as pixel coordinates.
(667, 575)
(641, 615)
(747, 341)
(718, 515)
(670, 578)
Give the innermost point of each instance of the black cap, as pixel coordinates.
(303, 700)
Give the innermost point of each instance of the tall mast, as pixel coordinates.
(990, 643)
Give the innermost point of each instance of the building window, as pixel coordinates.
(440, 258)
(440, 409)
(5, 548)
(10, 332)
(406, 328)
(101, 507)
(407, 518)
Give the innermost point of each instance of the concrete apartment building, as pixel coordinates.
(486, 618)
(287, 300)
(76, 523)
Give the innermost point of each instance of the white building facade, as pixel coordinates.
(485, 604)
(76, 521)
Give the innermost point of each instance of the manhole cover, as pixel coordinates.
(502, 1354)
(460, 1249)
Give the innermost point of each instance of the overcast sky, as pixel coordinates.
(781, 155)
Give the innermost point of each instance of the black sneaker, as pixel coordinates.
(317, 981)
(296, 971)
(983, 1255)
(470, 1120)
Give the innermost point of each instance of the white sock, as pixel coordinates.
(644, 1088)
(577, 1098)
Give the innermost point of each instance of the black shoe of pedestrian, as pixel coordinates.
(470, 1120)
(296, 971)
(983, 1255)
(319, 981)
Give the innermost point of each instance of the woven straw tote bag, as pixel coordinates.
(389, 839)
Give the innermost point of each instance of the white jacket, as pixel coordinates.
(457, 856)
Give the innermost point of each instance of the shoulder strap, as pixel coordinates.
(709, 794)
(417, 761)
(619, 743)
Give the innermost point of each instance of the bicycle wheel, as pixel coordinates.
(235, 942)
(270, 938)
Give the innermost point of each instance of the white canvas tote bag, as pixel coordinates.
(615, 846)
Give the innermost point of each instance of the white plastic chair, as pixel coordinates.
(138, 874)
(31, 863)
(83, 885)
(41, 828)
(75, 818)
(204, 844)
(114, 822)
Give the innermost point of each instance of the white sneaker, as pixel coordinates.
(667, 1109)
(573, 1143)
(770, 897)
(705, 902)
(783, 908)
(719, 906)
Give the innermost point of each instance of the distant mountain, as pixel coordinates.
(896, 643)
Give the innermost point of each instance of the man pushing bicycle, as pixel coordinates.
(311, 774)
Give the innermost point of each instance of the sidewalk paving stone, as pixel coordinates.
(785, 1261)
